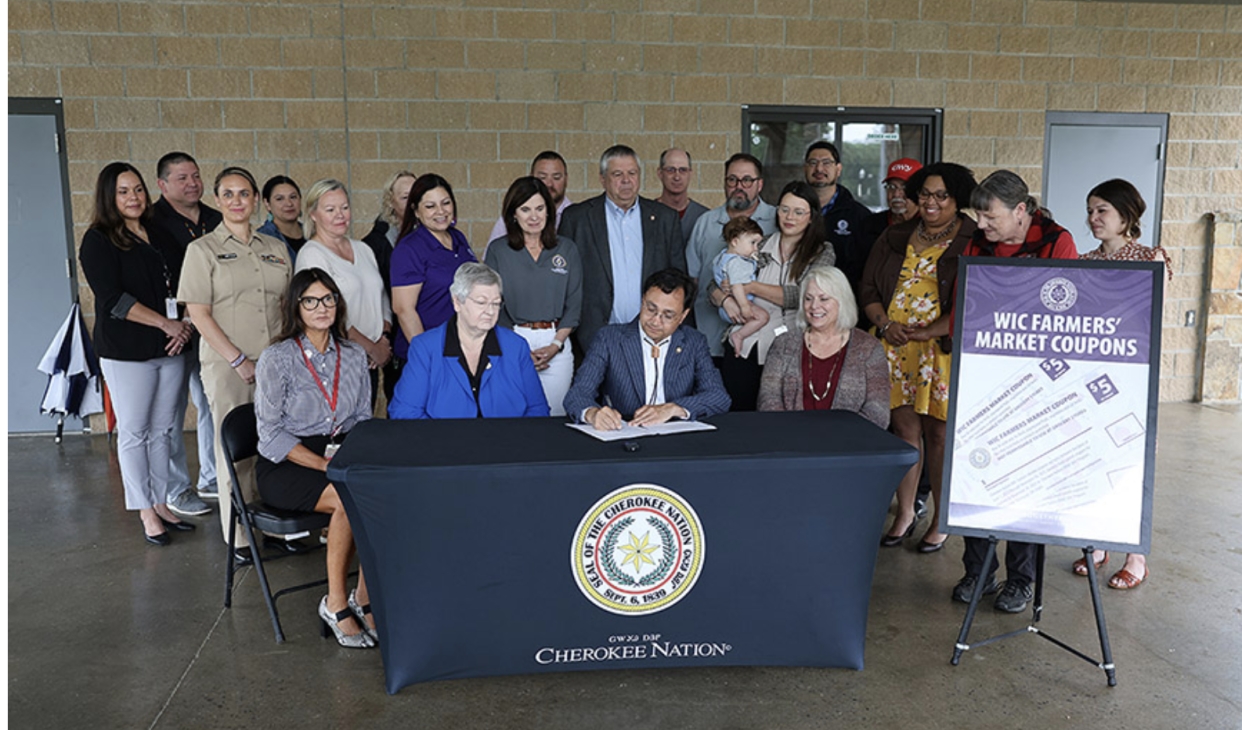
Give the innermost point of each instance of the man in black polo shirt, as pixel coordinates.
(180, 210)
(843, 216)
(180, 215)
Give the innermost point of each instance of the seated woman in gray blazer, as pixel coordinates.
(826, 363)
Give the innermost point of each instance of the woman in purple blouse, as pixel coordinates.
(429, 250)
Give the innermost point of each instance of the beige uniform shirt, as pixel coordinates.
(243, 282)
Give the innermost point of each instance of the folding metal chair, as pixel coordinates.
(240, 437)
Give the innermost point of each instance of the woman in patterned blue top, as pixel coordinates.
(311, 388)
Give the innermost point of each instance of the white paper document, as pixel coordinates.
(633, 432)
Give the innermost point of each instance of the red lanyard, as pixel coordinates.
(336, 381)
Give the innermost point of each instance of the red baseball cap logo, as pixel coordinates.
(902, 169)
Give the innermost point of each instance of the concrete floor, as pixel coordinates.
(106, 632)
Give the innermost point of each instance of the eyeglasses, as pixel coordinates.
(734, 181)
(941, 195)
(667, 316)
(793, 212)
(894, 186)
(488, 303)
(822, 162)
(672, 170)
(310, 304)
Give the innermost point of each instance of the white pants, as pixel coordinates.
(179, 473)
(555, 379)
(144, 398)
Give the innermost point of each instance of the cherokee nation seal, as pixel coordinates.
(638, 550)
(1058, 294)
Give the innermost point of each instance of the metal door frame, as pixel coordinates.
(933, 118)
(54, 107)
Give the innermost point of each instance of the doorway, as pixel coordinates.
(42, 272)
(1083, 149)
(868, 140)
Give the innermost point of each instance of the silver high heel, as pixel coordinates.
(361, 612)
(331, 623)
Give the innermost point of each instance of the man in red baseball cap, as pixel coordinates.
(899, 208)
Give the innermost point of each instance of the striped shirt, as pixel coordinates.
(288, 403)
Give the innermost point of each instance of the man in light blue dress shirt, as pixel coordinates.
(622, 238)
(625, 245)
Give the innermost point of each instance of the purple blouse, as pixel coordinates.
(419, 258)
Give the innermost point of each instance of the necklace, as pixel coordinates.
(838, 360)
(947, 232)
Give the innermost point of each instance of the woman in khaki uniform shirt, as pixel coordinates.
(231, 283)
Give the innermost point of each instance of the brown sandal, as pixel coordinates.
(1080, 565)
(1124, 580)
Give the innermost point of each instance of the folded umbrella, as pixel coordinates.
(74, 385)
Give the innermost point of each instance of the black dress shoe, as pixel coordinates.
(895, 540)
(242, 557)
(182, 526)
(161, 539)
(288, 546)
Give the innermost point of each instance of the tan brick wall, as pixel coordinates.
(473, 92)
(1221, 363)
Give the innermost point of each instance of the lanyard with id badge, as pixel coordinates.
(332, 447)
(171, 310)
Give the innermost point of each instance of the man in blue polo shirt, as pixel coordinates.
(843, 216)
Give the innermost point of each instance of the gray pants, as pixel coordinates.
(178, 467)
(144, 398)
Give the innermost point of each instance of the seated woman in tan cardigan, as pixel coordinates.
(827, 363)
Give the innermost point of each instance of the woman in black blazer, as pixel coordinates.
(139, 335)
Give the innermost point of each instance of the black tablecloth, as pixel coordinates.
(472, 536)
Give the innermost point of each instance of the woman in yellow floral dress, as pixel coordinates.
(907, 293)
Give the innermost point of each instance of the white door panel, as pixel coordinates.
(1079, 156)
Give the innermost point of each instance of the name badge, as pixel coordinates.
(226, 256)
(170, 308)
(780, 331)
(330, 451)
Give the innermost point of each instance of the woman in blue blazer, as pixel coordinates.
(467, 367)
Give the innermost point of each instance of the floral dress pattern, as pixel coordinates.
(919, 371)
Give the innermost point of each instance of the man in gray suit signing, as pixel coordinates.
(650, 370)
(622, 238)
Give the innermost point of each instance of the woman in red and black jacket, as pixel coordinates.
(1011, 224)
(139, 336)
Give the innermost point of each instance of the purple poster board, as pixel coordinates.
(1053, 395)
